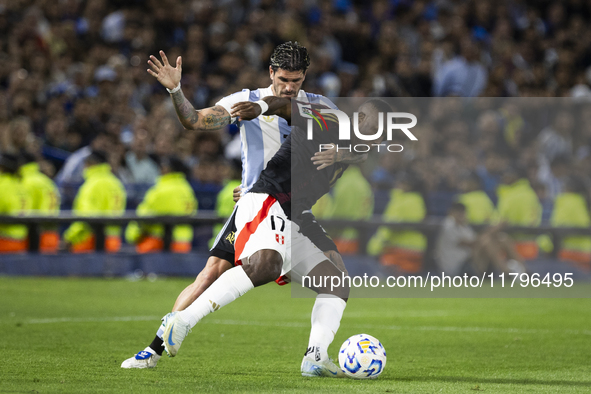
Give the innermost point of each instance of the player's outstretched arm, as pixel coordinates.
(248, 110)
(170, 77)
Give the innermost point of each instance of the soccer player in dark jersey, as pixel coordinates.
(261, 137)
(267, 222)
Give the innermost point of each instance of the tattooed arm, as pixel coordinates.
(170, 77)
(211, 118)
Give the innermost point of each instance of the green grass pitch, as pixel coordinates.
(71, 335)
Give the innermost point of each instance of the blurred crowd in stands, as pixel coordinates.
(73, 79)
(72, 71)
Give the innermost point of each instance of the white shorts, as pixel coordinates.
(262, 224)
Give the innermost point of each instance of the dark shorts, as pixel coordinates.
(223, 246)
(314, 231)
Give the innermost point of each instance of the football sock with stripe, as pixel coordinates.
(229, 286)
(326, 319)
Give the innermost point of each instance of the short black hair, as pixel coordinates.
(412, 179)
(26, 157)
(9, 163)
(177, 165)
(516, 171)
(97, 157)
(174, 164)
(474, 178)
(290, 56)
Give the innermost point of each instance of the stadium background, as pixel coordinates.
(73, 74)
(73, 70)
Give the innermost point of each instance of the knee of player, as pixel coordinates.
(342, 293)
(344, 271)
(206, 275)
(342, 290)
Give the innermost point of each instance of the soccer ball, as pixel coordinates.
(362, 356)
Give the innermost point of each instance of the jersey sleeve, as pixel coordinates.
(228, 101)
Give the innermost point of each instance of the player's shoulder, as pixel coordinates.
(248, 95)
(237, 96)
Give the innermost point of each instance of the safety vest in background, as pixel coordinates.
(518, 205)
(570, 210)
(352, 199)
(479, 208)
(14, 200)
(101, 194)
(323, 207)
(402, 248)
(171, 195)
(45, 200)
(224, 206)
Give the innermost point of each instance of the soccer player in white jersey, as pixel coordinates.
(260, 137)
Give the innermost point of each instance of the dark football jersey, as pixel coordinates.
(290, 176)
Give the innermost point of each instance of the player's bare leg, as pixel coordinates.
(488, 254)
(498, 250)
(515, 262)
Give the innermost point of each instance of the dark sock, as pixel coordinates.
(157, 345)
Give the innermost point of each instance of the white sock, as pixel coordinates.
(230, 285)
(326, 319)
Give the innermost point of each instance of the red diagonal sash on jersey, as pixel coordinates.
(251, 227)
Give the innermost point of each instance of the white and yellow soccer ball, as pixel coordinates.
(362, 356)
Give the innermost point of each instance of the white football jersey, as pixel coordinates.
(261, 137)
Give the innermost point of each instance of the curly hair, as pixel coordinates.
(290, 56)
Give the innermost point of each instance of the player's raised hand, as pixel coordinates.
(245, 110)
(325, 158)
(167, 75)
